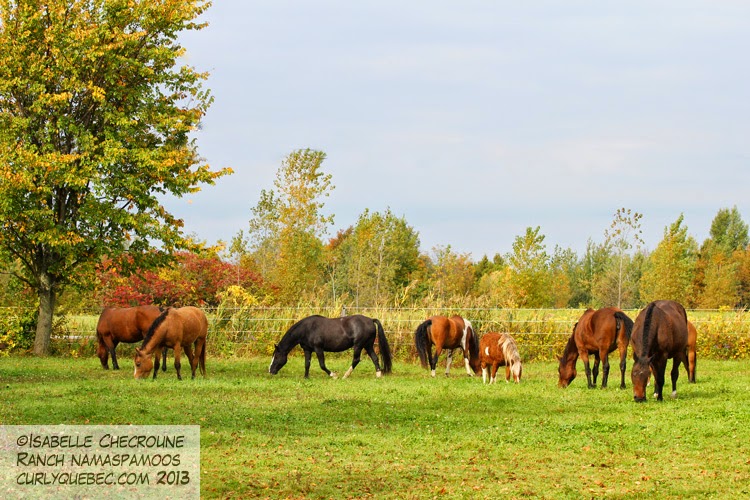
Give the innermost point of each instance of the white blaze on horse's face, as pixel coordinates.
(272, 359)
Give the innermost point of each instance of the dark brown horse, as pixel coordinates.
(447, 333)
(599, 333)
(177, 328)
(318, 334)
(123, 324)
(660, 332)
(691, 351)
(499, 349)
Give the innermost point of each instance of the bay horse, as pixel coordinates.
(691, 351)
(177, 328)
(319, 334)
(660, 332)
(123, 324)
(599, 333)
(499, 349)
(447, 333)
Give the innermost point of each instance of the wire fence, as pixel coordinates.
(539, 333)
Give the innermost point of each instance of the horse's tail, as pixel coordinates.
(202, 360)
(385, 350)
(647, 327)
(421, 341)
(623, 318)
(473, 342)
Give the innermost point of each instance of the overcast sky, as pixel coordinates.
(477, 119)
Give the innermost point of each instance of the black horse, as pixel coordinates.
(319, 334)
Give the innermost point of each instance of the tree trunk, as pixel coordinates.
(46, 310)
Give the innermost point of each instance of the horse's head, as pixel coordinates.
(143, 364)
(566, 372)
(278, 361)
(639, 377)
(515, 370)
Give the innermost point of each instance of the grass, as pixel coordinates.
(410, 436)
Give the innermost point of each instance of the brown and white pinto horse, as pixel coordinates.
(498, 349)
(447, 333)
(660, 332)
(599, 333)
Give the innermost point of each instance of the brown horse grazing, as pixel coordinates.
(177, 328)
(447, 333)
(599, 333)
(691, 353)
(498, 349)
(660, 332)
(123, 324)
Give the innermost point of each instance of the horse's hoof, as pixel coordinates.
(674, 394)
(378, 374)
(334, 375)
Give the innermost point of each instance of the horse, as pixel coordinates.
(499, 349)
(599, 333)
(178, 328)
(319, 334)
(447, 333)
(691, 352)
(123, 324)
(660, 332)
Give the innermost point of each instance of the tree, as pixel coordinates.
(452, 273)
(728, 231)
(377, 257)
(288, 223)
(670, 268)
(96, 116)
(529, 265)
(624, 231)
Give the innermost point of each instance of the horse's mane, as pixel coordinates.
(571, 345)
(647, 329)
(510, 349)
(157, 322)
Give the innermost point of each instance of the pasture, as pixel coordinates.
(410, 436)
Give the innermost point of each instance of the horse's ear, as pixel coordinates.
(137, 351)
(559, 358)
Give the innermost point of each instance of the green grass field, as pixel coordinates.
(410, 436)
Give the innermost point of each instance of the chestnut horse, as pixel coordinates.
(691, 352)
(123, 324)
(177, 328)
(447, 333)
(599, 333)
(499, 349)
(319, 334)
(660, 332)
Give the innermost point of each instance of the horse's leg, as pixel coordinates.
(466, 363)
(623, 364)
(676, 372)
(322, 362)
(449, 362)
(434, 359)
(493, 377)
(484, 374)
(595, 371)
(193, 359)
(308, 359)
(164, 360)
(587, 366)
(660, 366)
(374, 357)
(112, 349)
(177, 352)
(507, 372)
(355, 361)
(604, 355)
(157, 356)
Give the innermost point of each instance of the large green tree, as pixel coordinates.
(529, 265)
(670, 269)
(288, 223)
(96, 115)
